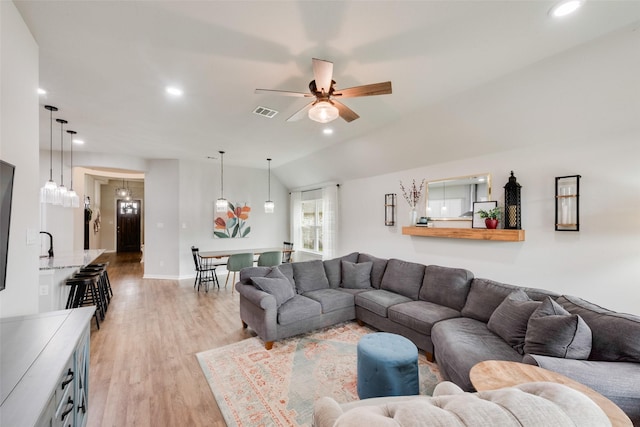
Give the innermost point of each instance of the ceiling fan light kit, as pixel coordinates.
(326, 108)
(323, 112)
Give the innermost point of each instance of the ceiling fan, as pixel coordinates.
(326, 107)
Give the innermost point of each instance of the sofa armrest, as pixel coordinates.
(617, 381)
(325, 412)
(256, 296)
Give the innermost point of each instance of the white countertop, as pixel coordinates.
(70, 259)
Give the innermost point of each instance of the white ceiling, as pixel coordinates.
(105, 65)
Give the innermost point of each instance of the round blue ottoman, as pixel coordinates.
(387, 366)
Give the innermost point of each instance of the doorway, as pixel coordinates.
(128, 230)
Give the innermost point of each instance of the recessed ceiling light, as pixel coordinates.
(327, 131)
(172, 90)
(41, 91)
(78, 141)
(565, 8)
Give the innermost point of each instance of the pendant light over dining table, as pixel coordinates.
(47, 192)
(221, 204)
(269, 205)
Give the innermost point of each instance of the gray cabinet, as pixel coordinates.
(44, 369)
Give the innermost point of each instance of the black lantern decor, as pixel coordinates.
(568, 203)
(390, 209)
(512, 204)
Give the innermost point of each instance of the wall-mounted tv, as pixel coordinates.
(6, 192)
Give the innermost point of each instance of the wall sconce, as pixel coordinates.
(512, 204)
(390, 209)
(568, 203)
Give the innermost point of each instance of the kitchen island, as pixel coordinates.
(54, 271)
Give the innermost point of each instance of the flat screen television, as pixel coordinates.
(6, 193)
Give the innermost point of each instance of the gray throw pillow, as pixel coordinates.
(553, 331)
(276, 284)
(356, 276)
(510, 318)
(310, 276)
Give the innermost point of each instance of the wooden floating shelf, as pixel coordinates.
(466, 233)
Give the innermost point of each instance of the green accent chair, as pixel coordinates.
(237, 262)
(270, 259)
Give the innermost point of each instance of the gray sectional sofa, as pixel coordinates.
(459, 319)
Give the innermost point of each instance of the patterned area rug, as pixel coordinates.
(256, 387)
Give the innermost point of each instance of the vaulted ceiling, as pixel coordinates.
(106, 64)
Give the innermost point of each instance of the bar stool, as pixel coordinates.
(104, 265)
(94, 296)
(80, 287)
(103, 283)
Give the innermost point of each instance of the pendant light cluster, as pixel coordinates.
(222, 205)
(124, 191)
(51, 193)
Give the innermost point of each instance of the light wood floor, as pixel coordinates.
(143, 368)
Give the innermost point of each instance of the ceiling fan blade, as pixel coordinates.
(345, 112)
(301, 113)
(323, 74)
(383, 88)
(284, 93)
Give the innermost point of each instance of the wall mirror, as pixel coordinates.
(452, 198)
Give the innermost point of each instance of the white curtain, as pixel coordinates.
(296, 219)
(329, 221)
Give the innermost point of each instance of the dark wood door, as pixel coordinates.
(128, 232)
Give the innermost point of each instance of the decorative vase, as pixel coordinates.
(413, 217)
(491, 223)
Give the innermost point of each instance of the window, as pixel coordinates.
(312, 225)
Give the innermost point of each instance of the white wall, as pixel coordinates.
(19, 146)
(199, 189)
(600, 263)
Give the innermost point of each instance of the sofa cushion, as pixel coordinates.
(247, 273)
(403, 277)
(462, 342)
(378, 301)
(333, 268)
(509, 320)
(420, 315)
(616, 336)
(377, 270)
(275, 284)
(553, 331)
(356, 276)
(446, 286)
(298, 309)
(486, 295)
(309, 276)
(331, 299)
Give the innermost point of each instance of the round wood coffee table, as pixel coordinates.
(494, 374)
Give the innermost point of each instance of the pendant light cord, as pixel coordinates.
(221, 174)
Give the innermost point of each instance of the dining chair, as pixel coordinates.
(205, 270)
(237, 262)
(287, 250)
(269, 259)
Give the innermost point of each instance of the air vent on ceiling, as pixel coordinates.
(265, 112)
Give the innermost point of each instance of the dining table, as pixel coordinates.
(229, 252)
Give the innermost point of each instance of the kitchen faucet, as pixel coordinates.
(50, 243)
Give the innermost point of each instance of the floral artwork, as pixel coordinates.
(233, 224)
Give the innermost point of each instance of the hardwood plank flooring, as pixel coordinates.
(143, 369)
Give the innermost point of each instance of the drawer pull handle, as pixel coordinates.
(65, 413)
(67, 381)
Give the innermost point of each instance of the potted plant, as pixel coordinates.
(491, 217)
